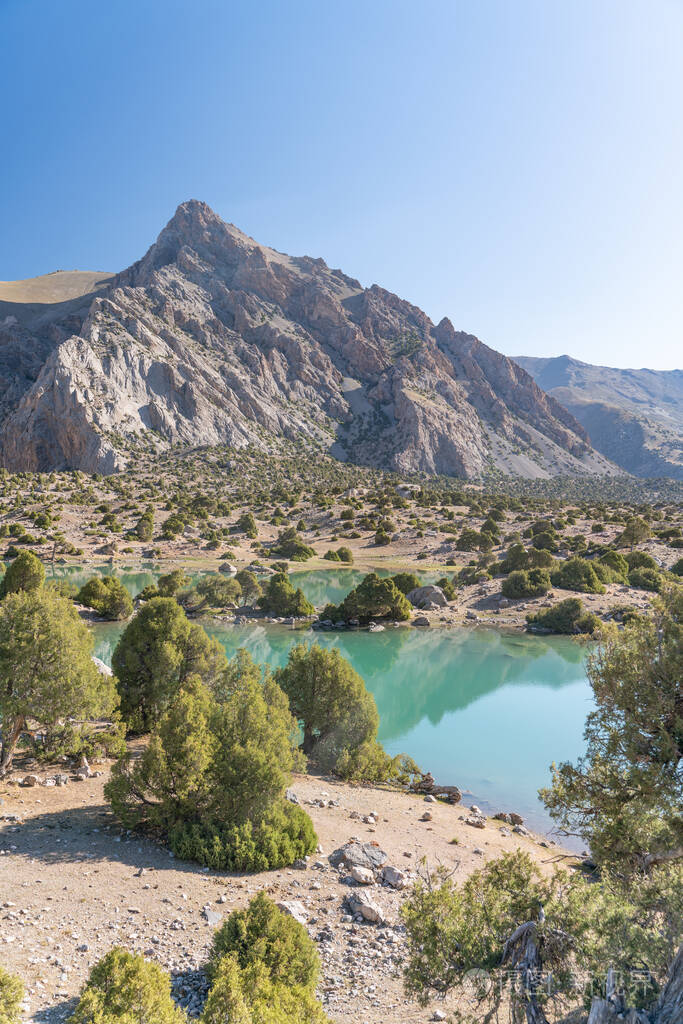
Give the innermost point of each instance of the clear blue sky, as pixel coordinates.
(514, 165)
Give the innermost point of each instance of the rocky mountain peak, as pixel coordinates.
(212, 338)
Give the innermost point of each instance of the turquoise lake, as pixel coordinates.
(486, 710)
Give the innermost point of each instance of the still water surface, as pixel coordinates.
(486, 710)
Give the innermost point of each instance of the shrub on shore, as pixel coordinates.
(107, 596)
(373, 598)
(521, 583)
(568, 616)
(213, 777)
(280, 598)
(577, 574)
(212, 591)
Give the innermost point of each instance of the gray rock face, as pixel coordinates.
(421, 597)
(214, 339)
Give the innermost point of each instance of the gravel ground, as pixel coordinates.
(72, 885)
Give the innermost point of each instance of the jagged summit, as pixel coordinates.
(213, 338)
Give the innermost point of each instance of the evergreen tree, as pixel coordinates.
(156, 654)
(337, 714)
(25, 572)
(124, 988)
(624, 797)
(107, 596)
(214, 774)
(46, 667)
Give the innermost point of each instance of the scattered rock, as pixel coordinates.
(356, 854)
(295, 909)
(213, 917)
(359, 903)
(394, 877)
(364, 876)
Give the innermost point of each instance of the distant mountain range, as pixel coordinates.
(634, 417)
(212, 339)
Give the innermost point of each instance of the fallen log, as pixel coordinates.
(428, 787)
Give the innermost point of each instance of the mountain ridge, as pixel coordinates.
(633, 416)
(212, 338)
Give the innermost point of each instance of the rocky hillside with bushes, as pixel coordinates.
(212, 339)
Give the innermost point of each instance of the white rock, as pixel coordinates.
(367, 908)
(363, 876)
(394, 876)
(295, 909)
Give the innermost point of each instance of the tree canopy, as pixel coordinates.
(373, 598)
(46, 667)
(280, 598)
(107, 596)
(25, 572)
(124, 988)
(338, 715)
(213, 776)
(158, 652)
(264, 968)
(624, 797)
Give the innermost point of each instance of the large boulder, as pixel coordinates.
(420, 597)
(358, 855)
